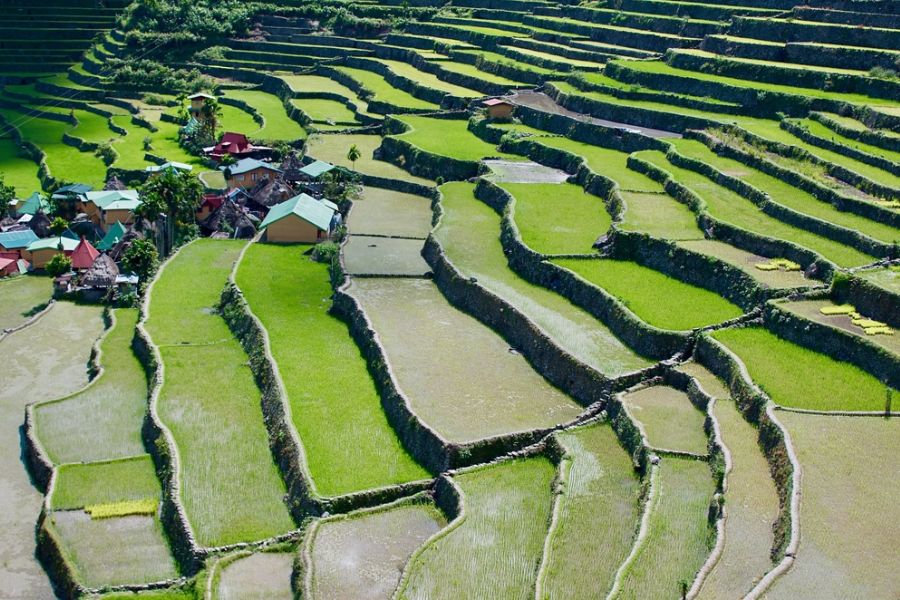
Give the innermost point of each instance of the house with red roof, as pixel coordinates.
(84, 255)
(498, 108)
(238, 146)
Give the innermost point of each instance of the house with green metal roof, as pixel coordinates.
(41, 251)
(105, 208)
(113, 236)
(169, 166)
(31, 205)
(316, 169)
(302, 219)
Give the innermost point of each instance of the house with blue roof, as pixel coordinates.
(302, 219)
(17, 241)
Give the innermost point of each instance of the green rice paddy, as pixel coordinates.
(496, 547)
(448, 137)
(277, 125)
(216, 421)
(558, 218)
(796, 377)
(654, 297)
(104, 420)
(348, 442)
(469, 233)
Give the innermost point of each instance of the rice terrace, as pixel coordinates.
(450, 299)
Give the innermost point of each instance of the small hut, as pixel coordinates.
(498, 108)
(84, 255)
(291, 168)
(102, 274)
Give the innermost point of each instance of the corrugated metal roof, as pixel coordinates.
(68, 244)
(17, 239)
(116, 232)
(103, 199)
(305, 207)
(248, 164)
(317, 168)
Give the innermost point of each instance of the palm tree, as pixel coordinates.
(353, 155)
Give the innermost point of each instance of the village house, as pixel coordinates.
(114, 235)
(246, 172)
(157, 170)
(197, 108)
(17, 242)
(41, 251)
(109, 207)
(84, 255)
(30, 206)
(11, 264)
(498, 108)
(236, 145)
(302, 219)
(315, 170)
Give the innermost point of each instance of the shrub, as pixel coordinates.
(142, 259)
(325, 252)
(58, 265)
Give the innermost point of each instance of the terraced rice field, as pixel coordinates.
(358, 450)
(837, 385)
(23, 297)
(669, 419)
(18, 171)
(261, 575)
(362, 555)
(596, 516)
(449, 138)
(216, 423)
(333, 148)
(654, 297)
(277, 125)
(843, 483)
(558, 218)
(53, 351)
(678, 535)
(748, 148)
(469, 233)
(496, 546)
(104, 420)
(480, 389)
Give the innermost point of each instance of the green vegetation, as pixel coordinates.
(496, 547)
(277, 124)
(678, 538)
(598, 513)
(448, 137)
(605, 161)
(348, 442)
(796, 377)
(79, 485)
(333, 148)
(751, 506)
(117, 551)
(210, 402)
(727, 206)
(669, 419)
(558, 218)
(66, 163)
(659, 215)
(18, 171)
(428, 80)
(385, 92)
(22, 297)
(102, 421)
(470, 235)
(848, 509)
(654, 297)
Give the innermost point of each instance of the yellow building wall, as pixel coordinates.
(125, 217)
(40, 258)
(292, 229)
